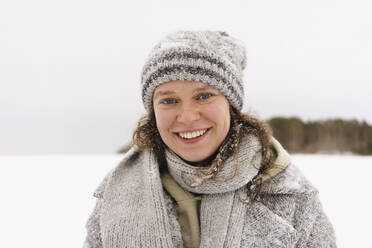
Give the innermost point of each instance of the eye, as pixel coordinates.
(168, 101)
(205, 96)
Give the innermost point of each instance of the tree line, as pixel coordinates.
(325, 136)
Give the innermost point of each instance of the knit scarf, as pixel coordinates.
(137, 208)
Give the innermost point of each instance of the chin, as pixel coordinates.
(194, 158)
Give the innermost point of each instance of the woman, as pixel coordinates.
(200, 173)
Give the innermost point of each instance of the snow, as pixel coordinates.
(46, 200)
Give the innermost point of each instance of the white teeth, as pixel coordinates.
(192, 134)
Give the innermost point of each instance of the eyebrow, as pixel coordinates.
(160, 93)
(203, 88)
(163, 93)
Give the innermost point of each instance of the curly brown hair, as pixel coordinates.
(147, 137)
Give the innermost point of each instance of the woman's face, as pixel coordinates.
(193, 118)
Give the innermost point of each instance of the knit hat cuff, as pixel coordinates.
(185, 64)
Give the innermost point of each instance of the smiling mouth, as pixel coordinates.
(192, 136)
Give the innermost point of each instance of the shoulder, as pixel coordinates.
(290, 181)
(131, 157)
(295, 199)
(291, 194)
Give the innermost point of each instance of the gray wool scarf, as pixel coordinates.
(236, 171)
(222, 212)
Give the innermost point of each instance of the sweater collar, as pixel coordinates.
(235, 172)
(249, 159)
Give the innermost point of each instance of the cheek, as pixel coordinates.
(164, 121)
(220, 114)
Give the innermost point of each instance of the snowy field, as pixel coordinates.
(46, 200)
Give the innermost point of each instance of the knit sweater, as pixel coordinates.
(290, 215)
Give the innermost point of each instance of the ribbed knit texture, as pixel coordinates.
(133, 210)
(211, 57)
(249, 160)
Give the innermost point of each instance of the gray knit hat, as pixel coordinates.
(210, 57)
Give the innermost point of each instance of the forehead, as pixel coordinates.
(182, 86)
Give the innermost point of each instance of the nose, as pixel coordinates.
(188, 113)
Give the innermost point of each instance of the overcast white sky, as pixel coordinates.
(70, 70)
